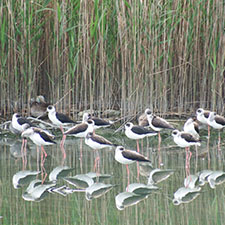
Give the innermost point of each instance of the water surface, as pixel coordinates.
(156, 208)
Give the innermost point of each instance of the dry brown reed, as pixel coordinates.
(125, 55)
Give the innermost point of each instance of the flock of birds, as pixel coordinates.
(86, 130)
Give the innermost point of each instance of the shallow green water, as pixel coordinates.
(156, 208)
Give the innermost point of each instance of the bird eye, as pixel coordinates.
(175, 132)
(128, 124)
(121, 148)
(90, 121)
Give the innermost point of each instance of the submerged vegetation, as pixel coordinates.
(103, 54)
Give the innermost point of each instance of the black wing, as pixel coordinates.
(77, 129)
(188, 137)
(141, 130)
(196, 127)
(220, 120)
(64, 118)
(100, 122)
(132, 155)
(159, 122)
(101, 140)
(22, 121)
(45, 136)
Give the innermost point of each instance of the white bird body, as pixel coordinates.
(216, 121)
(191, 127)
(184, 139)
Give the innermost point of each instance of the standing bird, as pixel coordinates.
(157, 124)
(202, 116)
(17, 126)
(136, 132)
(191, 126)
(80, 130)
(185, 140)
(59, 119)
(99, 122)
(39, 137)
(217, 122)
(97, 142)
(38, 108)
(127, 157)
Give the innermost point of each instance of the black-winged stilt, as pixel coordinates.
(136, 132)
(185, 140)
(126, 157)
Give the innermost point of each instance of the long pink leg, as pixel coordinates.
(61, 128)
(43, 171)
(138, 171)
(43, 150)
(208, 131)
(219, 140)
(97, 159)
(159, 152)
(22, 152)
(138, 150)
(63, 151)
(187, 166)
(128, 175)
(38, 159)
(25, 153)
(81, 154)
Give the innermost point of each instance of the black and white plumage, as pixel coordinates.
(96, 190)
(191, 126)
(185, 195)
(23, 177)
(158, 175)
(19, 123)
(58, 119)
(99, 122)
(38, 108)
(202, 115)
(216, 121)
(81, 130)
(136, 132)
(59, 172)
(97, 142)
(157, 123)
(39, 137)
(216, 178)
(184, 139)
(126, 157)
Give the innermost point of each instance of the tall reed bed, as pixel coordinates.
(122, 54)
